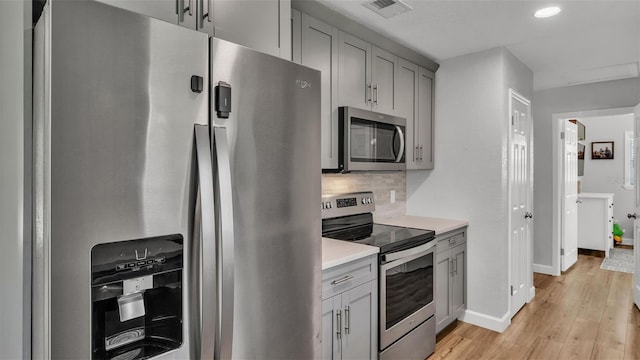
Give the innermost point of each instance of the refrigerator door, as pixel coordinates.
(273, 138)
(114, 154)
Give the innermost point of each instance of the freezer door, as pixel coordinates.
(114, 153)
(273, 148)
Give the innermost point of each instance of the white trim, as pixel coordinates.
(514, 95)
(532, 293)
(629, 139)
(544, 269)
(627, 241)
(487, 321)
(556, 222)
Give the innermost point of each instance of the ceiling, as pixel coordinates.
(588, 41)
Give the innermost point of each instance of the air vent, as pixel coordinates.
(387, 8)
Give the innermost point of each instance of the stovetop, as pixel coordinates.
(361, 229)
(348, 217)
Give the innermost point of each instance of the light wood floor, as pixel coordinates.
(587, 313)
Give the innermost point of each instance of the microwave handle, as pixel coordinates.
(401, 152)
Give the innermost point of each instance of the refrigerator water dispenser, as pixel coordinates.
(136, 297)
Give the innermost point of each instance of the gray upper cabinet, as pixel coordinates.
(182, 12)
(424, 132)
(414, 93)
(319, 50)
(262, 25)
(407, 107)
(384, 75)
(367, 75)
(355, 87)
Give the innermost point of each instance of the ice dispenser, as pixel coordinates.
(136, 297)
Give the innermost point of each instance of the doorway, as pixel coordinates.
(609, 181)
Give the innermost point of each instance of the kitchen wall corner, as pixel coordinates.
(379, 182)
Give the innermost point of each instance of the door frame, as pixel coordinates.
(557, 179)
(514, 95)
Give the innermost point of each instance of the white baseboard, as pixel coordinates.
(486, 321)
(532, 293)
(627, 241)
(543, 269)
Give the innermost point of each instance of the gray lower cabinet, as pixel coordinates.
(349, 310)
(450, 272)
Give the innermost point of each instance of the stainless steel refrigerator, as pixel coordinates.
(176, 180)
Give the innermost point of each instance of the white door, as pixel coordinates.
(569, 248)
(636, 214)
(520, 200)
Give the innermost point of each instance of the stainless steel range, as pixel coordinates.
(406, 273)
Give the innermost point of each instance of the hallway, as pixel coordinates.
(587, 313)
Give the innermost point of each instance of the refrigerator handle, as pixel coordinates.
(226, 240)
(205, 277)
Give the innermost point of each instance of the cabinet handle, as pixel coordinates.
(181, 10)
(347, 319)
(339, 326)
(375, 94)
(341, 280)
(455, 266)
(451, 266)
(205, 15)
(369, 92)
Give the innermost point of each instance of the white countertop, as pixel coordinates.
(439, 225)
(596, 195)
(338, 252)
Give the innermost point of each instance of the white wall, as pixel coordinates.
(603, 95)
(607, 176)
(470, 175)
(15, 107)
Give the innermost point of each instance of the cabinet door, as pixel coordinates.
(255, 24)
(407, 107)
(296, 36)
(329, 340)
(355, 70)
(359, 327)
(166, 10)
(320, 51)
(424, 126)
(443, 284)
(458, 286)
(384, 75)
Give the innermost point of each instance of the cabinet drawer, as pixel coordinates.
(446, 241)
(344, 277)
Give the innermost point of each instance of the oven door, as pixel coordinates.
(406, 291)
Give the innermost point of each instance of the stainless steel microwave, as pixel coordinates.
(369, 140)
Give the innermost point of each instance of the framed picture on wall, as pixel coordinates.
(602, 150)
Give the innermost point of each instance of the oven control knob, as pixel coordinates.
(322, 206)
(368, 200)
(328, 205)
(364, 201)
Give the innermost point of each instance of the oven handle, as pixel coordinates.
(415, 252)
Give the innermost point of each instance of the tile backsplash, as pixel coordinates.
(380, 182)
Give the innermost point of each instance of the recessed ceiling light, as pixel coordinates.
(547, 12)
